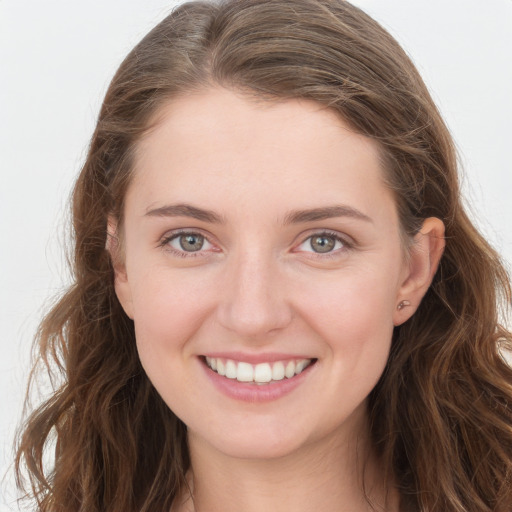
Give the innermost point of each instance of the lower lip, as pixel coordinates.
(254, 392)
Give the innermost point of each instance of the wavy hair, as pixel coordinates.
(441, 414)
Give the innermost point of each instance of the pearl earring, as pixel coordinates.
(403, 304)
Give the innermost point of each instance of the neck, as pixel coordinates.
(335, 475)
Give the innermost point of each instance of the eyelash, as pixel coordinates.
(346, 245)
(165, 243)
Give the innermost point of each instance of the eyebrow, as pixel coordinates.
(324, 213)
(185, 210)
(293, 217)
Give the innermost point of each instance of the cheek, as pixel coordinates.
(354, 316)
(167, 313)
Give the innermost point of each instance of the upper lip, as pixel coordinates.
(269, 357)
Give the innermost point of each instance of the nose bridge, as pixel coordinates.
(254, 301)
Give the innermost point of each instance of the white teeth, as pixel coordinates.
(221, 370)
(289, 372)
(278, 371)
(245, 372)
(231, 372)
(299, 367)
(261, 373)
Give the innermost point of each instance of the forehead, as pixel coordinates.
(216, 143)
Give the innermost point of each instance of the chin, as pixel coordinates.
(260, 450)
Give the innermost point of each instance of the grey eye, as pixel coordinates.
(322, 243)
(191, 242)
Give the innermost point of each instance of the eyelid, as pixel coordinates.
(169, 236)
(345, 240)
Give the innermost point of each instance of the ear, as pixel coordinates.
(121, 284)
(422, 263)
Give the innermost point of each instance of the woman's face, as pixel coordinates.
(261, 241)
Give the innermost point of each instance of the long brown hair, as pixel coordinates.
(441, 415)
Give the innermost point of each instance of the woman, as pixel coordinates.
(273, 305)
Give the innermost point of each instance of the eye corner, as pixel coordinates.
(198, 243)
(326, 242)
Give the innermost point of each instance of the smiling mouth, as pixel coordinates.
(262, 373)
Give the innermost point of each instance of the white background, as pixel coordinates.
(56, 60)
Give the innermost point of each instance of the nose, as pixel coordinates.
(254, 303)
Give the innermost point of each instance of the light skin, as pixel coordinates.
(265, 231)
